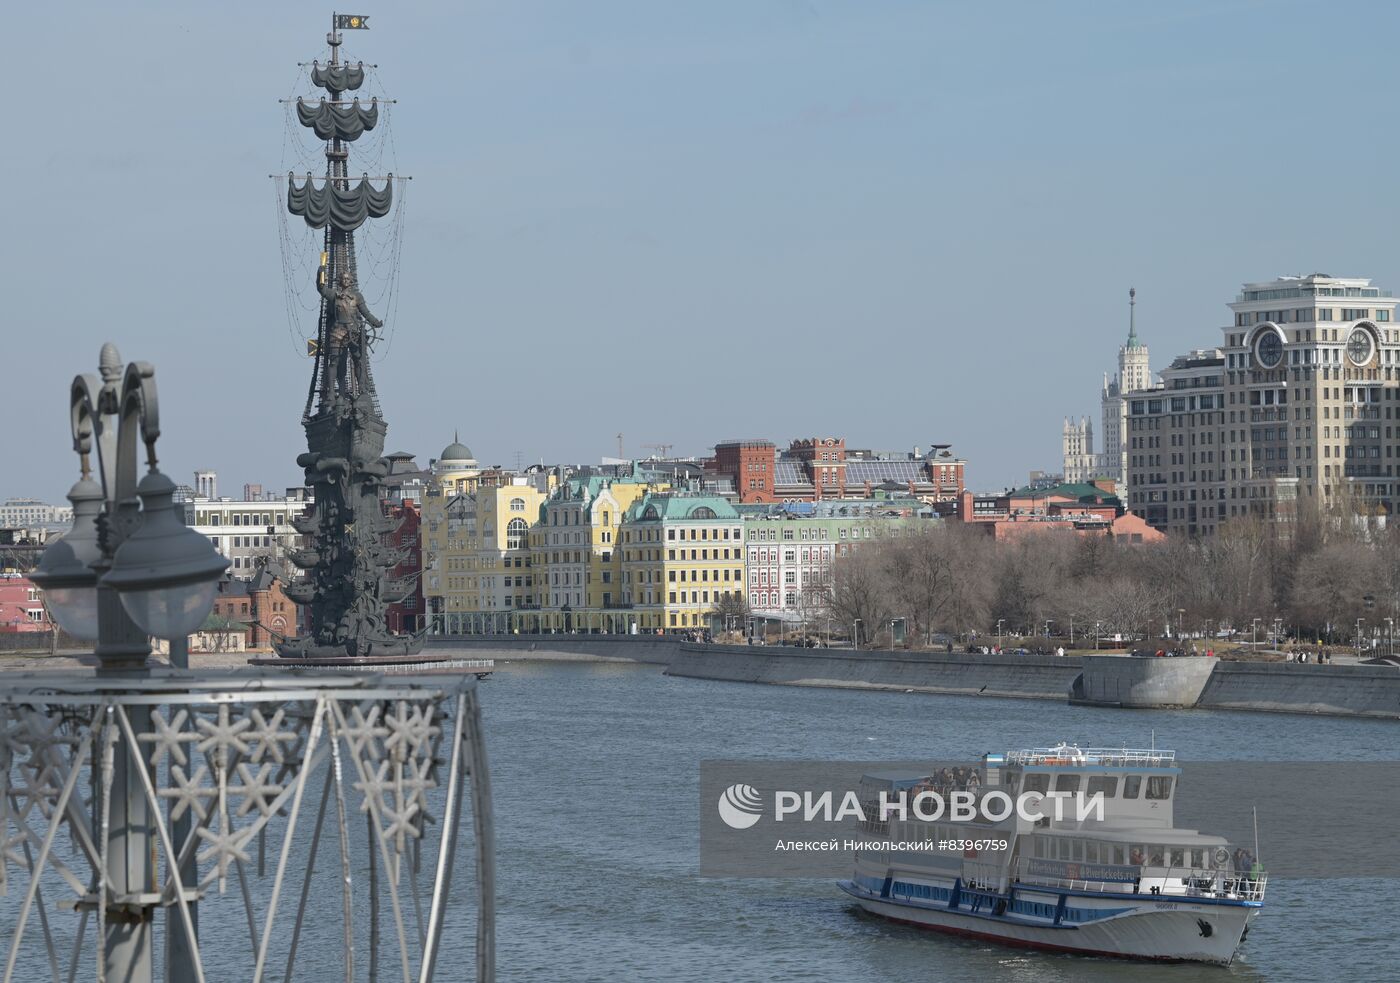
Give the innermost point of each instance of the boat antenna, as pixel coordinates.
(1254, 809)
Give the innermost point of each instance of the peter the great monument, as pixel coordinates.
(347, 583)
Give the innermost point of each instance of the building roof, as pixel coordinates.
(754, 442)
(879, 472)
(667, 507)
(789, 473)
(1078, 491)
(455, 451)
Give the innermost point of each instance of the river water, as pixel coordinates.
(595, 773)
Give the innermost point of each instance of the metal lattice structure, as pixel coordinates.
(239, 762)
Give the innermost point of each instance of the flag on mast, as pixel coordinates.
(352, 22)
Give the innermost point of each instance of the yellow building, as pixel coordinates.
(500, 564)
(448, 531)
(578, 567)
(682, 553)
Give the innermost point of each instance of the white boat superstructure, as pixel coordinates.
(1128, 884)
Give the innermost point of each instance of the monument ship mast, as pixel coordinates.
(347, 583)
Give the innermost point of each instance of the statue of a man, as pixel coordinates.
(347, 307)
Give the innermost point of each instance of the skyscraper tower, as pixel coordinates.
(1134, 373)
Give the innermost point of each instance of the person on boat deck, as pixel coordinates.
(1137, 857)
(1157, 858)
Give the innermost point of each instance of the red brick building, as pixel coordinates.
(260, 604)
(820, 463)
(822, 468)
(406, 616)
(21, 605)
(751, 465)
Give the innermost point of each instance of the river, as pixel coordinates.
(595, 772)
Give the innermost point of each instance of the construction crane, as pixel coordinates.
(662, 450)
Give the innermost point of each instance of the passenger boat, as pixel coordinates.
(1128, 885)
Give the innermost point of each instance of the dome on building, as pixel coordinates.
(456, 453)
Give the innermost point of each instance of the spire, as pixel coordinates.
(1132, 319)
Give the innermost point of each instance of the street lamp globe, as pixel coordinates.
(166, 573)
(65, 573)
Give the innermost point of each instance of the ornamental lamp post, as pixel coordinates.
(166, 573)
(65, 571)
(129, 569)
(108, 749)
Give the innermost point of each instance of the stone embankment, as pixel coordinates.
(654, 649)
(1093, 680)
(1040, 677)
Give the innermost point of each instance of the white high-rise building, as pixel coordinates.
(1077, 444)
(1134, 374)
(1077, 440)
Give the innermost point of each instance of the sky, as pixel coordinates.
(902, 223)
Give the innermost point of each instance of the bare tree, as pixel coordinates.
(731, 610)
(859, 590)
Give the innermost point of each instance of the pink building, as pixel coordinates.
(21, 605)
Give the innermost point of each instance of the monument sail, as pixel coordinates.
(346, 583)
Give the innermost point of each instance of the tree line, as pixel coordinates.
(1315, 576)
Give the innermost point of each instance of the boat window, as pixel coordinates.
(1117, 853)
(1198, 858)
(1131, 785)
(1062, 849)
(1107, 784)
(1178, 857)
(1154, 855)
(1159, 787)
(1067, 783)
(1076, 850)
(1091, 851)
(1038, 782)
(1138, 854)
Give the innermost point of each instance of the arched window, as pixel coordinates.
(516, 534)
(703, 512)
(517, 505)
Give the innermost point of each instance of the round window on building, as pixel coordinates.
(1268, 350)
(1360, 346)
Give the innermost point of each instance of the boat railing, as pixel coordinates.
(1159, 881)
(1069, 754)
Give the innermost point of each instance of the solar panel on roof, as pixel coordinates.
(787, 473)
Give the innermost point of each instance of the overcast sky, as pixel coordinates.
(903, 223)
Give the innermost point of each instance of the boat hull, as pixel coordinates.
(1168, 931)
